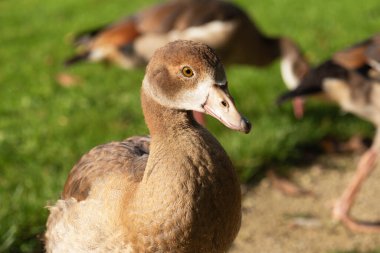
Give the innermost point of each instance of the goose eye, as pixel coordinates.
(187, 72)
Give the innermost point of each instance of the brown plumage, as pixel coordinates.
(361, 54)
(350, 78)
(174, 192)
(362, 58)
(220, 24)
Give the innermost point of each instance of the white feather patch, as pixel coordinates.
(191, 100)
(287, 72)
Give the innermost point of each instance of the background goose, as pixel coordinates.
(221, 25)
(174, 192)
(362, 58)
(352, 85)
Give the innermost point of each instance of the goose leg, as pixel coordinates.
(286, 186)
(342, 207)
(200, 118)
(298, 107)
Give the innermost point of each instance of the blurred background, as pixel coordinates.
(50, 116)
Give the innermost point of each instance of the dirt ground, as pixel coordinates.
(275, 223)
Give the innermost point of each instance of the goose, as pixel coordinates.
(362, 57)
(175, 191)
(222, 25)
(350, 80)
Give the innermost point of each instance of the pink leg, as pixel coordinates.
(342, 207)
(298, 107)
(200, 118)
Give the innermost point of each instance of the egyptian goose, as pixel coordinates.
(355, 86)
(362, 57)
(176, 191)
(222, 25)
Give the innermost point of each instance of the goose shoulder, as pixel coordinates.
(126, 158)
(86, 217)
(366, 52)
(353, 57)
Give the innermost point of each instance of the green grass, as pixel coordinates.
(45, 128)
(355, 251)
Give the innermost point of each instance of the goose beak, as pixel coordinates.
(220, 105)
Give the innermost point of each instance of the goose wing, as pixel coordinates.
(125, 159)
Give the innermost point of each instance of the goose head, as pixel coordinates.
(294, 67)
(187, 75)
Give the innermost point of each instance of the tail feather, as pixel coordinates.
(85, 36)
(77, 58)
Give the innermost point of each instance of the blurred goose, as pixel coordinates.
(176, 191)
(222, 25)
(350, 80)
(363, 58)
